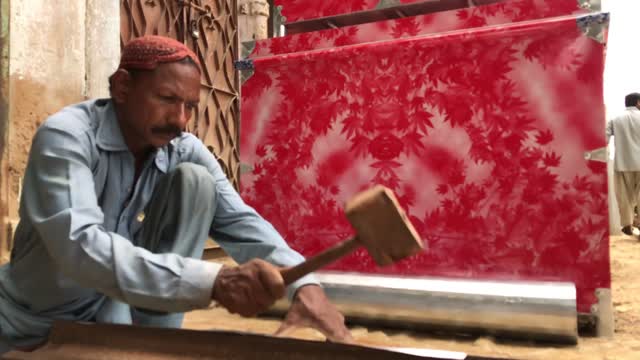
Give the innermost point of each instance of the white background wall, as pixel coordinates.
(58, 55)
(622, 72)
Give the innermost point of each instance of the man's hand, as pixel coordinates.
(248, 289)
(311, 308)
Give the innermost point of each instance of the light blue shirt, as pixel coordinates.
(73, 245)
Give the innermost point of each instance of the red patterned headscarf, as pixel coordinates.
(147, 52)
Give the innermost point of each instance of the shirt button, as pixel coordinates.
(140, 217)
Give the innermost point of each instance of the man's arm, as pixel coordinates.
(59, 200)
(244, 235)
(609, 130)
(240, 230)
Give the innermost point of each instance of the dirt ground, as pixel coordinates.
(625, 345)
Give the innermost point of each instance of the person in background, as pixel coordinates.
(625, 130)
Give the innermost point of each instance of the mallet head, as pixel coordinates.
(382, 226)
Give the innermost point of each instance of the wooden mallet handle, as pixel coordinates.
(382, 227)
(314, 263)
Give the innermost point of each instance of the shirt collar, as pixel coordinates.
(162, 160)
(109, 137)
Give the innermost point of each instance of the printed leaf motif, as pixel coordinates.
(476, 134)
(551, 159)
(544, 137)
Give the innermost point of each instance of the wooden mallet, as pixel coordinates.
(381, 227)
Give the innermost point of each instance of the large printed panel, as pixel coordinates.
(495, 14)
(297, 10)
(480, 133)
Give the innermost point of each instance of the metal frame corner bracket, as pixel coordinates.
(600, 154)
(246, 48)
(246, 68)
(244, 64)
(594, 25)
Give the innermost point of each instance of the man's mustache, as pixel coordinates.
(167, 130)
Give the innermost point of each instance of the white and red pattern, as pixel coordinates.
(506, 12)
(480, 133)
(297, 10)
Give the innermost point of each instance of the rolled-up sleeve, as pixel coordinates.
(61, 203)
(240, 230)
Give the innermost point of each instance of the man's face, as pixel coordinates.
(159, 103)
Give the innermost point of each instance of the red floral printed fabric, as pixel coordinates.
(496, 14)
(296, 10)
(480, 133)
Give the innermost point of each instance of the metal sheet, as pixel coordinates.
(533, 310)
